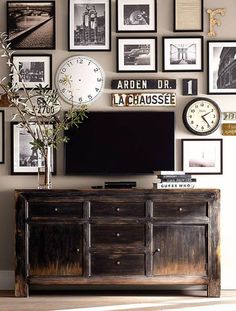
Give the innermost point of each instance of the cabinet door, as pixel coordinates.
(55, 249)
(179, 250)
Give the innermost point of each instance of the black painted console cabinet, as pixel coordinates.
(117, 237)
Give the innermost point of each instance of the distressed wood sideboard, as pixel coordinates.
(117, 237)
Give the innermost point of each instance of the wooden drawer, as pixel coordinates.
(118, 209)
(180, 209)
(45, 209)
(117, 235)
(117, 264)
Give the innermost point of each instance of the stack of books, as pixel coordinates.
(174, 180)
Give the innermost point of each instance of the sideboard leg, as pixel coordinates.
(213, 289)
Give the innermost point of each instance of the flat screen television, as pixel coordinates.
(128, 142)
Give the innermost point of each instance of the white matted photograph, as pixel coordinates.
(2, 136)
(133, 16)
(137, 54)
(24, 159)
(221, 67)
(89, 25)
(202, 156)
(183, 53)
(34, 70)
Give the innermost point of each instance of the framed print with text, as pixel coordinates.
(89, 25)
(221, 67)
(2, 137)
(202, 156)
(24, 160)
(138, 16)
(188, 15)
(183, 53)
(34, 70)
(137, 54)
(31, 25)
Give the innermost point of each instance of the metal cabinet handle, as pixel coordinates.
(55, 209)
(77, 250)
(118, 262)
(180, 209)
(117, 234)
(117, 209)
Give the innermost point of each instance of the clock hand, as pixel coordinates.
(206, 114)
(203, 117)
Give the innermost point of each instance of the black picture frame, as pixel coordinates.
(2, 136)
(184, 11)
(16, 160)
(136, 54)
(189, 59)
(202, 156)
(78, 10)
(39, 33)
(140, 16)
(221, 68)
(35, 69)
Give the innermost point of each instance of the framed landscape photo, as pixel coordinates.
(34, 69)
(89, 25)
(221, 67)
(137, 54)
(31, 24)
(133, 16)
(188, 15)
(202, 156)
(2, 136)
(183, 53)
(24, 159)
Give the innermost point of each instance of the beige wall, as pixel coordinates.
(225, 182)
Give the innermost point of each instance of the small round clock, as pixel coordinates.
(80, 80)
(202, 116)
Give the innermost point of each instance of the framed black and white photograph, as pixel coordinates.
(2, 137)
(24, 159)
(133, 16)
(137, 54)
(188, 15)
(34, 70)
(183, 53)
(89, 25)
(202, 156)
(31, 24)
(221, 67)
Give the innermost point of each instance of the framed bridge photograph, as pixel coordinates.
(31, 25)
(89, 25)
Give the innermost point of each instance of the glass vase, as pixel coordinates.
(45, 168)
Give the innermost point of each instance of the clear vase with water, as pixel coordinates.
(45, 168)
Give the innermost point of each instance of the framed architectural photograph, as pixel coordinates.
(89, 25)
(184, 11)
(31, 24)
(137, 54)
(202, 156)
(136, 16)
(2, 137)
(24, 159)
(183, 53)
(221, 67)
(34, 69)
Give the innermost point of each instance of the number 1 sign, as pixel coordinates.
(190, 87)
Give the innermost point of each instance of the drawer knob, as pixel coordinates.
(77, 250)
(158, 250)
(55, 209)
(118, 262)
(117, 234)
(117, 209)
(180, 209)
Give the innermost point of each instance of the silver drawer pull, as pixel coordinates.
(117, 234)
(118, 262)
(55, 209)
(117, 209)
(180, 209)
(158, 250)
(77, 250)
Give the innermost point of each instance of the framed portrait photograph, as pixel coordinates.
(34, 69)
(221, 67)
(89, 25)
(184, 10)
(24, 159)
(183, 53)
(31, 24)
(137, 54)
(133, 16)
(2, 137)
(202, 156)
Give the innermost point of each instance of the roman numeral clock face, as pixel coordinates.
(80, 80)
(202, 116)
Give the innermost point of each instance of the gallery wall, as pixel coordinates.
(226, 181)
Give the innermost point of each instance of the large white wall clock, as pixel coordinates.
(80, 80)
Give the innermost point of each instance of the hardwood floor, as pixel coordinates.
(110, 301)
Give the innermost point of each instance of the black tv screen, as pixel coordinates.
(121, 143)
